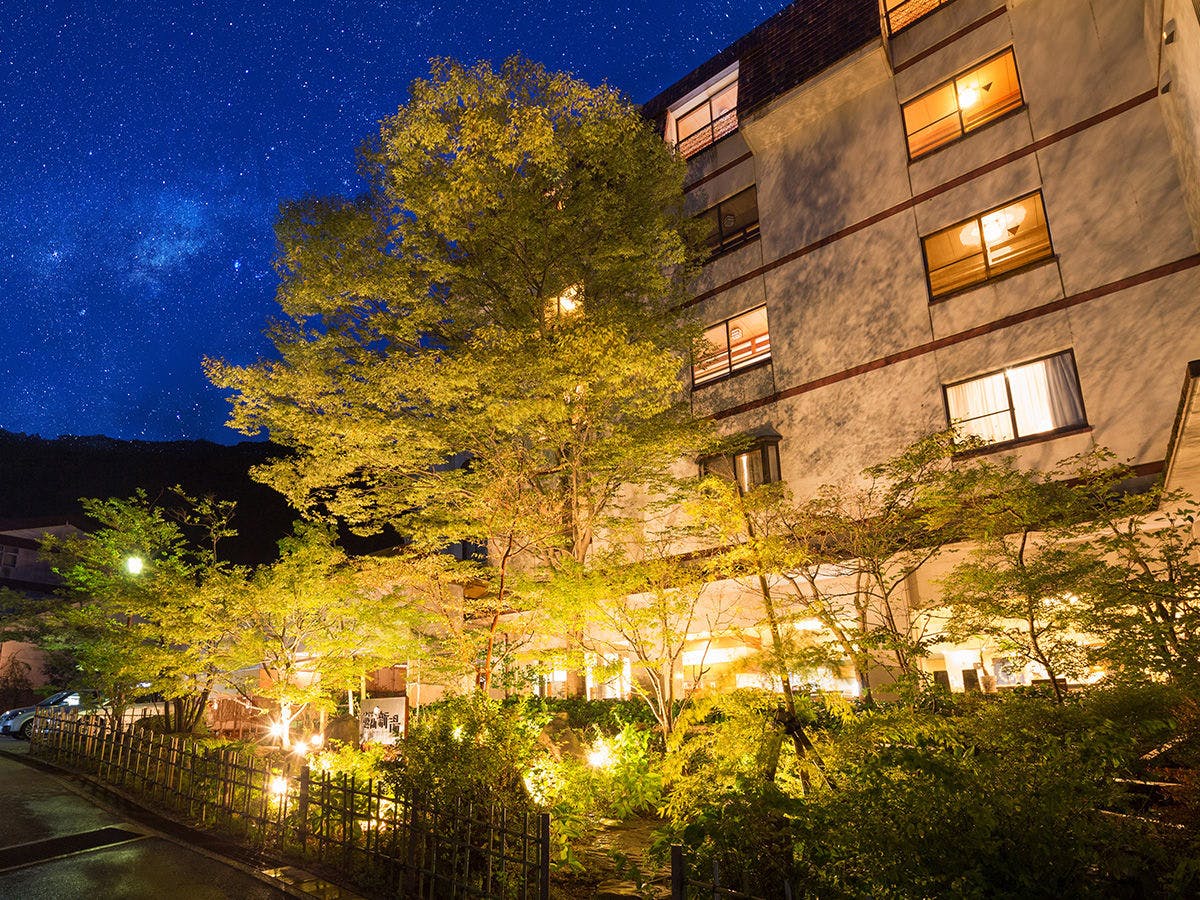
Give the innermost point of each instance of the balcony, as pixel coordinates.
(709, 133)
(902, 13)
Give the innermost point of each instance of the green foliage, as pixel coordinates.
(1144, 600)
(338, 759)
(504, 294)
(1012, 797)
(607, 717)
(619, 777)
(471, 749)
(166, 625)
(314, 620)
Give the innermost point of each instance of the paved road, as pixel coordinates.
(54, 844)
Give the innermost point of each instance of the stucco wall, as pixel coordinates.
(1095, 137)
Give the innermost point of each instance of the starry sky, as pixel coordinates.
(145, 147)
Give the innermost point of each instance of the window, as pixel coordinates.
(962, 104)
(8, 557)
(703, 119)
(732, 345)
(750, 468)
(1033, 398)
(732, 222)
(902, 13)
(984, 246)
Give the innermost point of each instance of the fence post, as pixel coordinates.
(678, 875)
(544, 856)
(302, 808)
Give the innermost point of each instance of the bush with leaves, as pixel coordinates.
(608, 716)
(469, 748)
(1016, 796)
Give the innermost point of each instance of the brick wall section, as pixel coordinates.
(792, 46)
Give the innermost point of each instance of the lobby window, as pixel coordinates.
(989, 244)
(703, 119)
(749, 468)
(902, 13)
(1033, 398)
(962, 104)
(732, 345)
(732, 222)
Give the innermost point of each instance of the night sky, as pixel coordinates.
(145, 147)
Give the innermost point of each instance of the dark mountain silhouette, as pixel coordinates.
(42, 478)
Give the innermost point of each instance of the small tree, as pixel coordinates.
(1145, 600)
(142, 602)
(647, 608)
(1028, 582)
(312, 622)
(845, 557)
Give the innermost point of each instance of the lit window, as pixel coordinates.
(701, 121)
(902, 13)
(732, 222)
(987, 245)
(750, 468)
(962, 104)
(732, 345)
(1032, 398)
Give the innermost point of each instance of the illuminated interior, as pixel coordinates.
(1032, 398)
(701, 121)
(962, 104)
(987, 245)
(733, 344)
(732, 222)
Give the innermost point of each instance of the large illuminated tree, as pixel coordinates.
(483, 347)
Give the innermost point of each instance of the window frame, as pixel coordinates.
(746, 235)
(768, 449)
(989, 277)
(1019, 439)
(694, 100)
(963, 130)
(730, 370)
(887, 14)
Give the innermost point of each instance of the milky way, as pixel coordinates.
(146, 147)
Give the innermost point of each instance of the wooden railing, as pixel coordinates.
(386, 843)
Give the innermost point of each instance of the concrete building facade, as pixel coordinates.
(925, 214)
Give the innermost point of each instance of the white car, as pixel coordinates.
(19, 722)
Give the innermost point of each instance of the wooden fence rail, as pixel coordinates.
(389, 845)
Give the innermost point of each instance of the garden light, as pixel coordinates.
(300, 748)
(279, 785)
(317, 740)
(600, 756)
(277, 729)
(134, 565)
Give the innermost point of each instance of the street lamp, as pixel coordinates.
(134, 565)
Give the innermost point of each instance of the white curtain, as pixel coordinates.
(1045, 395)
(979, 409)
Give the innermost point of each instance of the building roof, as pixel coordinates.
(789, 48)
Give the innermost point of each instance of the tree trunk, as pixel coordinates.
(285, 721)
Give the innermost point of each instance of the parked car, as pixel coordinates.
(19, 722)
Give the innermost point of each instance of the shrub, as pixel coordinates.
(468, 748)
(986, 797)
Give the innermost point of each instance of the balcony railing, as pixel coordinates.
(709, 134)
(904, 14)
